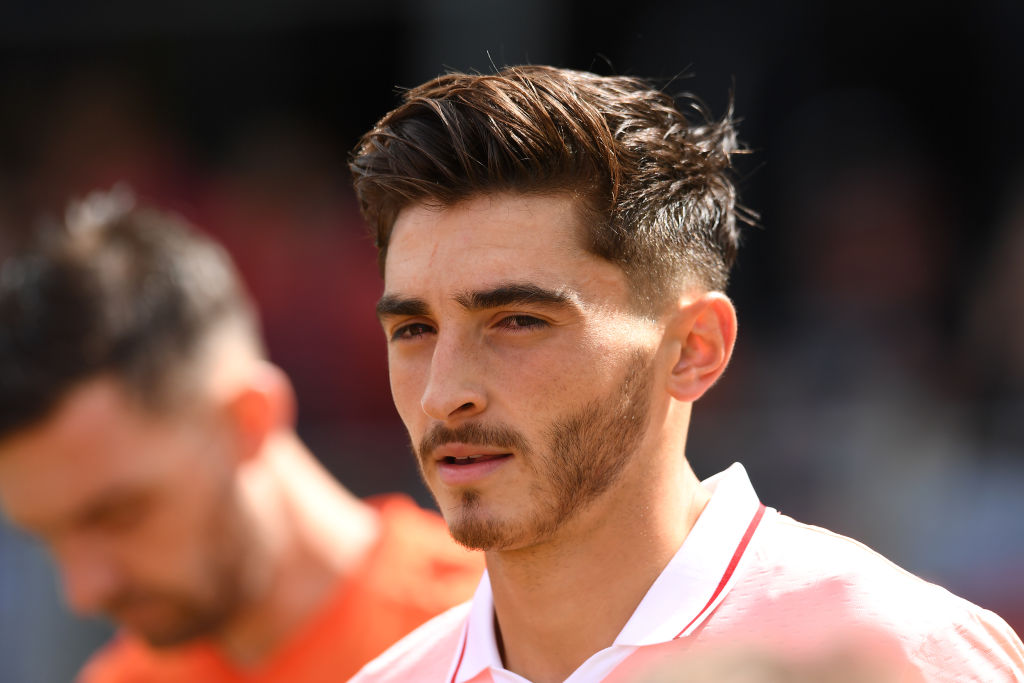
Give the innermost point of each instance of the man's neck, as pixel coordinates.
(312, 533)
(558, 603)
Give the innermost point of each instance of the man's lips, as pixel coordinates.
(465, 454)
(461, 464)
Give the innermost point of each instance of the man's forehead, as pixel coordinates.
(482, 242)
(490, 216)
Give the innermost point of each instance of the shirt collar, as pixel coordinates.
(695, 580)
(701, 572)
(480, 648)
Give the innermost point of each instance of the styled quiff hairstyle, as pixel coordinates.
(655, 187)
(118, 291)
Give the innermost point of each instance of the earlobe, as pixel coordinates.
(703, 330)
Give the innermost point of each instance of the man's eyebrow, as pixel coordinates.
(514, 293)
(395, 304)
(502, 295)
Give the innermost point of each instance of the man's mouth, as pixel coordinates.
(462, 464)
(472, 459)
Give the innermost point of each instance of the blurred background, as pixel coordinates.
(878, 386)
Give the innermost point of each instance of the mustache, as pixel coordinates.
(493, 436)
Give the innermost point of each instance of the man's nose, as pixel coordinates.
(455, 383)
(89, 575)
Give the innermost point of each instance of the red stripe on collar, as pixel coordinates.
(744, 542)
(462, 651)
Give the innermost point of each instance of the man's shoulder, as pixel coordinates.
(806, 585)
(422, 535)
(794, 557)
(126, 659)
(424, 654)
(417, 563)
(108, 664)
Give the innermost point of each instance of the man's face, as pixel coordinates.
(517, 364)
(139, 511)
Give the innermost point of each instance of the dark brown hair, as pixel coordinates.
(655, 186)
(132, 296)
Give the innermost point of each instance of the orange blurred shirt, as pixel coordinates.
(415, 572)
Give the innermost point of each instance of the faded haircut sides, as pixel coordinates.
(132, 295)
(655, 187)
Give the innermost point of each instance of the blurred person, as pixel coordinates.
(555, 246)
(147, 440)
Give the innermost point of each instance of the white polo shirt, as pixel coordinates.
(745, 576)
(706, 563)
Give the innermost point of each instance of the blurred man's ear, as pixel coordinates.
(262, 405)
(702, 330)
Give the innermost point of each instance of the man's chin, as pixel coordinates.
(477, 531)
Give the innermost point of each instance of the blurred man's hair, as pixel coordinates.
(118, 291)
(655, 187)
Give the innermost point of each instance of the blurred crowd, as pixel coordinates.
(878, 387)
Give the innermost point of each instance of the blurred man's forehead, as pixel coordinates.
(98, 440)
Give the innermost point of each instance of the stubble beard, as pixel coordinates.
(204, 611)
(587, 453)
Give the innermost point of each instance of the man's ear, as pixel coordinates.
(703, 332)
(261, 405)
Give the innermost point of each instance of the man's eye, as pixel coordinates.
(411, 331)
(521, 322)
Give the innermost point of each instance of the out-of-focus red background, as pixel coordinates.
(878, 386)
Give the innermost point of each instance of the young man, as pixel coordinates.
(555, 246)
(146, 439)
